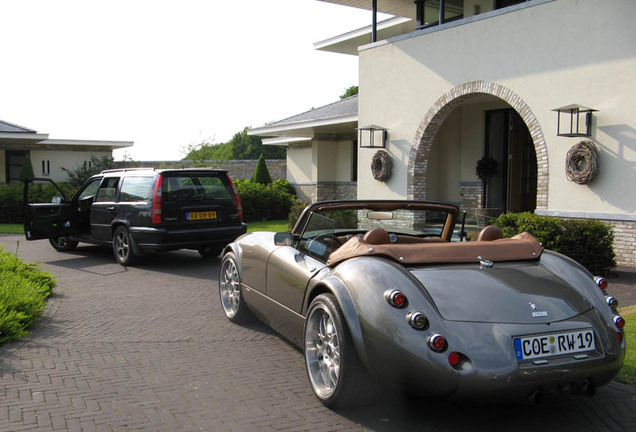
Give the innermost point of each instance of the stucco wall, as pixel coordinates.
(59, 159)
(548, 55)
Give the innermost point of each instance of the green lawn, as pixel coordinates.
(627, 374)
(11, 229)
(272, 225)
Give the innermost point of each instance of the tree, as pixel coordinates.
(261, 173)
(241, 146)
(78, 175)
(26, 173)
(351, 91)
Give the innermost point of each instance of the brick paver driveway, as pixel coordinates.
(148, 348)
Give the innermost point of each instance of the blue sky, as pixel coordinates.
(168, 74)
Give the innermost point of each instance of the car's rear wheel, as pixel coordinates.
(336, 374)
(63, 244)
(122, 247)
(230, 290)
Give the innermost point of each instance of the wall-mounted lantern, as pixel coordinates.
(372, 136)
(574, 121)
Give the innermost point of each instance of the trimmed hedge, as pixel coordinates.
(23, 291)
(265, 202)
(589, 242)
(11, 198)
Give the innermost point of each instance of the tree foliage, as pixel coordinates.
(351, 91)
(242, 146)
(261, 173)
(26, 173)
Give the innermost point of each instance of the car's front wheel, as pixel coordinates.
(122, 247)
(230, 290)
(63, 244)
(336, 374)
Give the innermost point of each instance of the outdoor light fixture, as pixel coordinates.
(580, 121)
(372, 136)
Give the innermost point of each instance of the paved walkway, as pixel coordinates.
(148, 348)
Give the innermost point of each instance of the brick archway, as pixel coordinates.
(441, 109)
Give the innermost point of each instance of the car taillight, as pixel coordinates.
(437, 342)
(454, 358)
(238, 198)
(619, 321)
(156, 201)
(396, 298)
(417, 320)
(601, 282)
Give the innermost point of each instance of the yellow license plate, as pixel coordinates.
(202, 215)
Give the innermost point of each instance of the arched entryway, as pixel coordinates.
(512, 111)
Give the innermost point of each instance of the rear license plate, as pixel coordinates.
(201, 215)
(548, 345)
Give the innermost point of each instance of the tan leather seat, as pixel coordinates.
(489, 233)
(377, 236)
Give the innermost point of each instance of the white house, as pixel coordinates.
(48, 156)
(454, 81)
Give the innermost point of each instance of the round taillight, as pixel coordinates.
(601, 282)
(454, 358)
(437, 342)
(611, 302)
(396, 298)
(619, 321)
(619, 337)
(417, 320)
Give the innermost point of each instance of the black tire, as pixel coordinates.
(63, 244)
(122, 247)
(230, 291)
(336, 374)
(211, 251)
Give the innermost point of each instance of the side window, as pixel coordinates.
(107, 190)
(90, 190)
(318, 237)
(136, 189)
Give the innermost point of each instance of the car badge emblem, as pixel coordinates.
(536, 313)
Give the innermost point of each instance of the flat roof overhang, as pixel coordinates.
(349, 42)
(345, 125)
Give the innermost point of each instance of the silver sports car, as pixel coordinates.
(376, 292)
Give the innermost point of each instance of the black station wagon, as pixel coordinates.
(142, 210)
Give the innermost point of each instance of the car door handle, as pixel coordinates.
(111, 209)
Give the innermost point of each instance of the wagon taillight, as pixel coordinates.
(157, 217)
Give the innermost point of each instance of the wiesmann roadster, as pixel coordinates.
(376, 292)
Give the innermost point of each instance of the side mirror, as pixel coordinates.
(283, 239)
(56, 199)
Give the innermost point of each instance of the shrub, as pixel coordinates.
(23, 291)
(589, 242)
(264, 202)
(11, 198)
(261, 173)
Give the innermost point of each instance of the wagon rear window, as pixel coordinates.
(188, 188)
(136, 189)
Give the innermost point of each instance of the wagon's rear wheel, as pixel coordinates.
(63, 244)
(336, 374)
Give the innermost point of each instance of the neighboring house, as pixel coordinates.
(48, 156)
(453, 81)
(321, 152)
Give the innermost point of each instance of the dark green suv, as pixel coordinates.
(143, 210)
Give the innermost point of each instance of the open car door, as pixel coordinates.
(49, 220)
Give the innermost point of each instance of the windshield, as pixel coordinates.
(328, 228)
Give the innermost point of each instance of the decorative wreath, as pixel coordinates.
(486, 168)
(381, 166)
(582, 162)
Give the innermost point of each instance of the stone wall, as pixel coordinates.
(238, 169)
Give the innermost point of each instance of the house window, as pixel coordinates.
(46, 167)
(14, 159)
